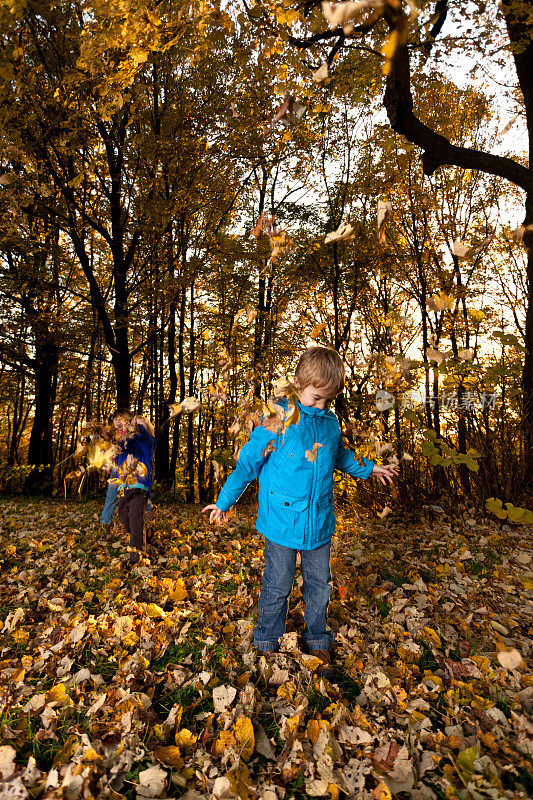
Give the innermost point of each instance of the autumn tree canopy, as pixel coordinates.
(190, 194)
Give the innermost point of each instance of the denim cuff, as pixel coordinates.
(319, 645)
(271, 647)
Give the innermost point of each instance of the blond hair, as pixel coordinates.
(322, 367)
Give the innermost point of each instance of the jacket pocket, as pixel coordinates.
(287, 517)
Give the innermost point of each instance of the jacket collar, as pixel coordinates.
(311, 411)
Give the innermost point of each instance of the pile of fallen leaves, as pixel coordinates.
(144, 684)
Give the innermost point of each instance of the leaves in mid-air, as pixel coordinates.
(344, 233)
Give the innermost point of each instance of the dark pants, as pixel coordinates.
(131, 513)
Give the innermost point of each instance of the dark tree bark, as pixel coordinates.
(40, 451)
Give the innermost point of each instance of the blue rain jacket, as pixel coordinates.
(295, 491)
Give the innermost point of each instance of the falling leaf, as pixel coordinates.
(385, 513)
(339, 14)
(190, 405)
(174, 409)
(290, 113)
(270, 448)
(234, 111)
(317, 329)
(434, 355)
(440, 302)
(466, 355)
(384, 214)
(321, 73)
(344, 233)
(383, 449)
(508, 126)
(312, 454)
(461, 249)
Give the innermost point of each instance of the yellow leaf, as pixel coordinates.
(21, 636)
(184, 738)
(130, 640)
(225, 740)
(334, 791)
(58, 694)
(286, 690)
(316, 330)
(153, 610)
(381, 792)
(91, 755)
(169, 755)
(178, 592)
(433, 636)
(244, 735)
(313, 729)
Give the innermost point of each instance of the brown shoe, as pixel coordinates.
(326, 670)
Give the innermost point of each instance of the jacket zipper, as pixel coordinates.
(312, 515)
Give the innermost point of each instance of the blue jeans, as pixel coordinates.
(111, 503)
(278, 577)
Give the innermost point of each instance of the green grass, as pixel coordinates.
(427, 660)
(350, 689)
(317, 701)
(382, 607)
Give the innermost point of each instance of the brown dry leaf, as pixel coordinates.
(170, 755)
(312, 454)
(341, 14)
(461, 249)
(270, 448)
(510, 659)
(174, 409)
(7, 762)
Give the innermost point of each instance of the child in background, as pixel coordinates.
(111, 498)
(295, 469)
(135, 475)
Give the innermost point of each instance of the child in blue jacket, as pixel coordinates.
(135, 475)
(295, 470)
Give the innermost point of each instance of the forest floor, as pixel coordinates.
(143, 683)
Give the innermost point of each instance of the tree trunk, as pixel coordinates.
(40, 447)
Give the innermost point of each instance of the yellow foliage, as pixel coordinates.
(244, 735)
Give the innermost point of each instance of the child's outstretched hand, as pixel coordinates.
(385, 472)
(216, 515)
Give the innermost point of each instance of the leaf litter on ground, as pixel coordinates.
(144, 684)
